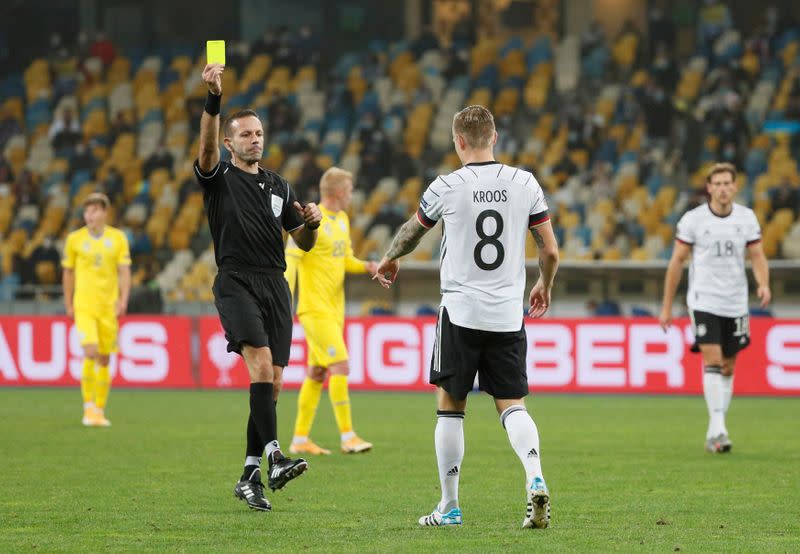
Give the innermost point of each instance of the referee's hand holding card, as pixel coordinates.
(311, 215)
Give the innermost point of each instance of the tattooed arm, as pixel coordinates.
(406, 239)
(548, 265)
(404, 242)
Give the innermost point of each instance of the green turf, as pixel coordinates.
(625, 473)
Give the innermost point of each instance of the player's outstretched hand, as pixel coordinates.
(665, 319)
(212, 77)
(386, 272)
(371, 267)
(539, 300)
(765, 296)
(310, 213)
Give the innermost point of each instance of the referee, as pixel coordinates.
(247, 207)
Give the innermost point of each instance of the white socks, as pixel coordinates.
(449, 440)
(524, 438)
(727, 392)
(713, 390)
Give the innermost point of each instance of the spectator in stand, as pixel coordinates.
(82, 160)
(112, 186)
(664, 70)
(786, 196)
(44, 253)
(592, 38)
(427, 40)
(26, 189)
(456, 63)
(376, 153)
(660, 31)
(64, 68)
(307, 46)
(308, 179)
(103, 48)
(65, 132)
(284, 55)
(282, 115)
(82, 47)
(403, 165)
(160, 159)
(714, 19)
(657, 108)
(120, 126)
(267, 44)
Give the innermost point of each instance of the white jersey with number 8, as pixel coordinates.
(486, 210)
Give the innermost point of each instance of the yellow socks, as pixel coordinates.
(102, 386)
(340, 400)
(307, 402)
(87, 381)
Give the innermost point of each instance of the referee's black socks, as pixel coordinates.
(263, 416)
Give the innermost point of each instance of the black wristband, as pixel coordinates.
(213, 102)
(310, 228)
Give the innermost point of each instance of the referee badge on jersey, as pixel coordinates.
(277, 204)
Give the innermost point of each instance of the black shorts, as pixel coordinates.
(731, 333)
(255, 309)
(497, 357)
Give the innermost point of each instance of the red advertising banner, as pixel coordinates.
(153, 352)
(387, 353)
(580, 355)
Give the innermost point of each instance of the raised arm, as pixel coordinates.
(760, 271)
(548, 265)
(680, 253)
(208, 157)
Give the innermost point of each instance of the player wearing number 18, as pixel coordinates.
(487, 209)
(718, 235)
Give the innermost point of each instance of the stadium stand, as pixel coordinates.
(619, 134)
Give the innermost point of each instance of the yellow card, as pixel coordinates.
(215, 51)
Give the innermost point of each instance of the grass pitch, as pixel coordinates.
(625, 473)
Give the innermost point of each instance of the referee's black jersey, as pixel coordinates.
(246, 213)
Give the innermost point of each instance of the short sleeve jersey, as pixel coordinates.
(246, 213)
(717, 278)
(96, 262)
(486, 209)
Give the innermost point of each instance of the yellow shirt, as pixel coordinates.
(96, 262)
(321, 271)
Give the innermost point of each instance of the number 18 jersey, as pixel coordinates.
(717, 279)
(486, 210)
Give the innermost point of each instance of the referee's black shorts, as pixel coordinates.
(497, 357)
(255, 309)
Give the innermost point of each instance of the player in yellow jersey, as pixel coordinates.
(320, 307)
(97, 281)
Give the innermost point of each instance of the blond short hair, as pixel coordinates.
(97, 199)
(721, 168)
(333, 178)
(476, 125)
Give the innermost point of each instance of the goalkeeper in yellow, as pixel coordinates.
(97, 281)
(320, 308)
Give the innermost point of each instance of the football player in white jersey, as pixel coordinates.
(717, 236)
(486, 209)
